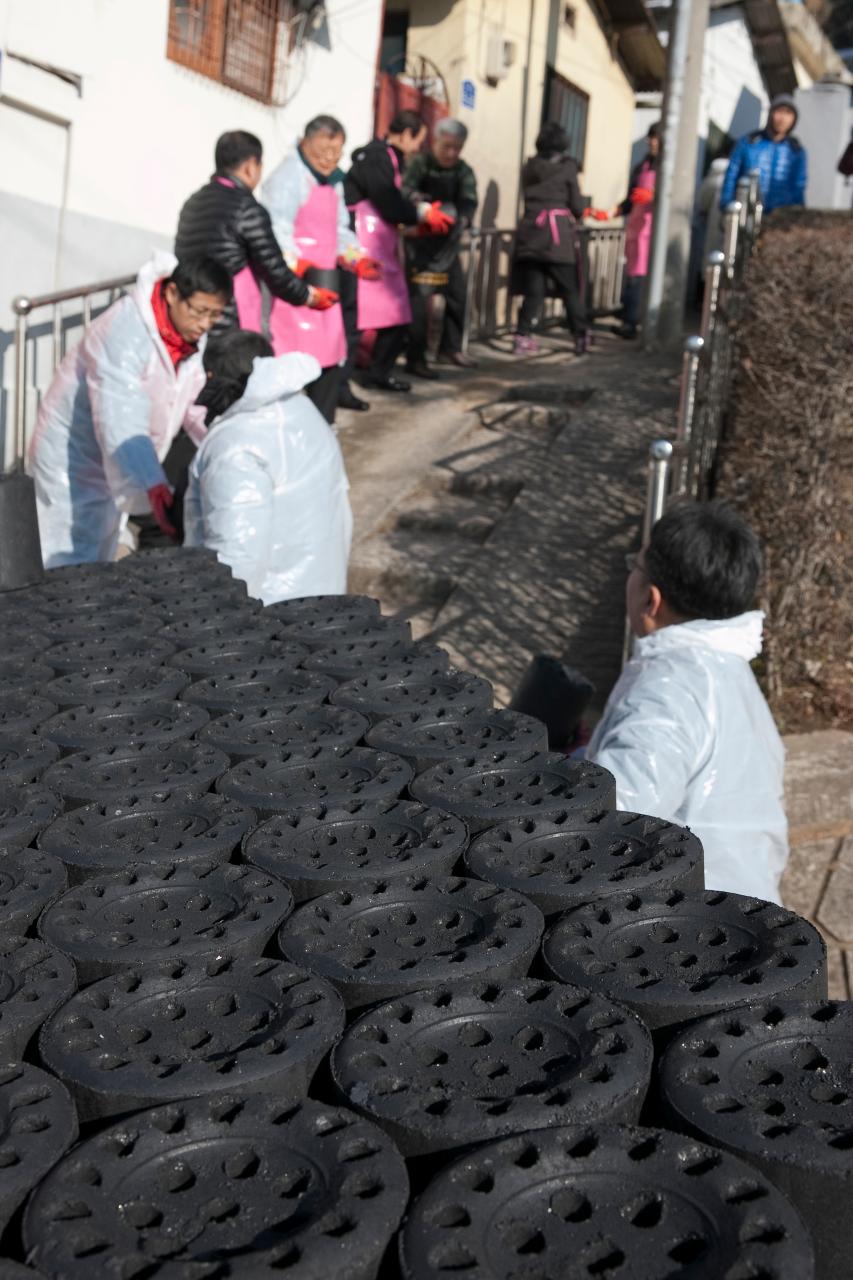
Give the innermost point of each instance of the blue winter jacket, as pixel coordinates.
(782, 166)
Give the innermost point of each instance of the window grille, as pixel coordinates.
(241, 43)
(569, 107)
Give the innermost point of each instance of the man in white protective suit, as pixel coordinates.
(268, 491)
(686, 731)
(116, 404)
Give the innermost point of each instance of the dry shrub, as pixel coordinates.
(787, 454)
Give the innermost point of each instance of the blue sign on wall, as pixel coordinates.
(469, 94)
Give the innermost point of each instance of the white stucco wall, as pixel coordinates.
(90, 199)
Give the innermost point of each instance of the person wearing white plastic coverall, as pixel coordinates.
(686, 731)
(268, 491)
(304, 196)
(116, 404)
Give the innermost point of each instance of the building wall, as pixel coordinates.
(505, 118)
(89, 198)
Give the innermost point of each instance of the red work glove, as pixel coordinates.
(600, 215)
(161, 498)
(435, 222)
(368, 269)
(321, 299)
(641, 195)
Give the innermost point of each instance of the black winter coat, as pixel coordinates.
(548, 183)
(228, 224)
(372, 178)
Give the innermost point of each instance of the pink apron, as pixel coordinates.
(316, 333)
(381, 303)
(638, 228)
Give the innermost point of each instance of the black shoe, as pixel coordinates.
(420, 369)
(626, 331)
(348, 400)
(582, 344)
(388, 384)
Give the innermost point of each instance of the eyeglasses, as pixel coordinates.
(204, 313)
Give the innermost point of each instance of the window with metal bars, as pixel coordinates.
(568, 106)
(240, 43)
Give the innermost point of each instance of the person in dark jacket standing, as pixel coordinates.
(372, 190)
(546, 246)
(225, 222)
(434, 267)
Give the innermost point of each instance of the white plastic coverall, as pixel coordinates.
(689, 738)
(268, 490)
(105, 424)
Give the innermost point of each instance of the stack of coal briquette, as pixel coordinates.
(314, 964)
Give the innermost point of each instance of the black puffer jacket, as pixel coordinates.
(226, 223)
(548, 183)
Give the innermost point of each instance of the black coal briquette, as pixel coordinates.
(24, 757)
(350, 658)
(109, 650)
(355, 844)
(187, 1029)
(37, 1126)
(676, 956)
(771, 1082)
(410, 933)
(22, 711)
(463, 1063)
(100, 838)
(266, 685)
(229, 1187)
(29, 882)
(433, 735)
(113, 684)
(390, 693)
(127, 772)
(493, 787)
(35, 980)
(323, 609)
(587, 1201)
(103, 724)
(234, 653)
(25, 811)
(147, 914)
(314, 775)
(264, 731)
(586, 855)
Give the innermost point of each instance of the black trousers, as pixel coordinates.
(454, 313)
(388, 345)
(176, 464)
(323, 391)
(349, 311)
(534, 280)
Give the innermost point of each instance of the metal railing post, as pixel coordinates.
(684, 439)
(711, 298)
(21, 307)
(660, 460)
(473, 241)
(731, 230)
(657, 487)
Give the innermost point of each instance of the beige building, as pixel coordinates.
(506, 66)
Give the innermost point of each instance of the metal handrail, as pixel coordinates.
(685, 467)
(489, 254)
(23, 307)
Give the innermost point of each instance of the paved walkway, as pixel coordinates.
(496, 507)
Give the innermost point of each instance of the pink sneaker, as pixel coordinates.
(524, 345)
